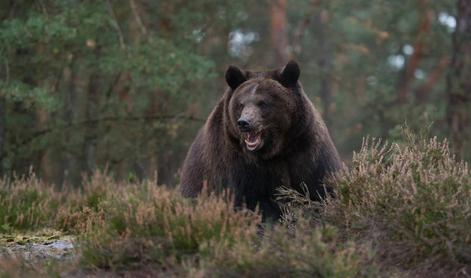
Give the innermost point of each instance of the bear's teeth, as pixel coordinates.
(252, 141)
(251, 136)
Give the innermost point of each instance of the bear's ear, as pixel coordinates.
(290, 74)
(234, 77)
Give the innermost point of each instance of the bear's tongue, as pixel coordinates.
(252, 140)
(251, 137)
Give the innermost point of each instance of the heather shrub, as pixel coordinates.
(412, 200)
(25, 203)
(285, 252)
(146, 224)
(84, 206)
(400, 209)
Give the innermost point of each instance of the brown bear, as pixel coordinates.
(263, 133)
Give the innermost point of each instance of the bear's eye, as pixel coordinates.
(262, 104)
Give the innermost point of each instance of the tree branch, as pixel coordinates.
(79, 124)
(116, 25)
(137, 17)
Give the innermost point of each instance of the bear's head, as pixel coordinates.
(263, 107)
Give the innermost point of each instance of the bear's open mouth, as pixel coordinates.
(253, 140)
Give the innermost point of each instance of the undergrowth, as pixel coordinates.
(399, 210)
(410, 201)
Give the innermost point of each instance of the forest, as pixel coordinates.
(101, 100)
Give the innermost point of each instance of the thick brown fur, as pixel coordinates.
(297, 146)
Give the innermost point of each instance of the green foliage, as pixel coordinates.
(70, 64)
(353, 50)
(151, 68)
(30, 97)
(91, 85)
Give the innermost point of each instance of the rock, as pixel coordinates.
(38, 246)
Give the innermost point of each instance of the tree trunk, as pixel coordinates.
(69, 165)
(408, 75)
(279, 31)
(92, 107)
(2, 133)
(459, 81)
(325, 64)
(45, 157)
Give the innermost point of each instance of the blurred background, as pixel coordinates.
(125, 85)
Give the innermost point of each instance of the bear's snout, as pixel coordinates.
(244, 125)
(249, 119)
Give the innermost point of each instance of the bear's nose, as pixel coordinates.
(243, 124)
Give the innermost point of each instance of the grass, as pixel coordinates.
(399, 210)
